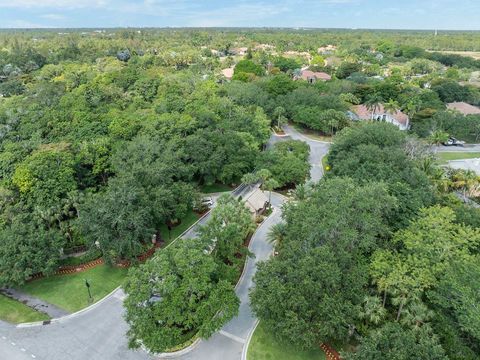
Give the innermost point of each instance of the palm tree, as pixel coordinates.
(412, 107)
(391, 107)
(297, 73)
(276, 234)
(269, 185)
(439, 178)
(438, 137)
(279, 114)
(468, 182)
(372, 310)
(416, 314)
(373, 103)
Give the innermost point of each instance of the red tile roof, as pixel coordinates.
(308, 74)
(365, 114)
(464, 108)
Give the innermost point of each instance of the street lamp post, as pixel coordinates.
(87, 284)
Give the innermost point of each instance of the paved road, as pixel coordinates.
(99, 334)
(465, 148)
(318, 149)
(229, 342)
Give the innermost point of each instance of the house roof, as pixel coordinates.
(308, 74)
(228, 73)
(464, 108)
(365, 114)
(256, 200)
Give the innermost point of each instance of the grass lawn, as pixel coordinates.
(69, 291)
(214, 188)
(264, 346)
(15, 312)
(187, 221)
(446, 156)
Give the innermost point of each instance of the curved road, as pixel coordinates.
(318, 149)
(99, 333)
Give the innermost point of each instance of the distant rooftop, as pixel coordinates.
(464, 108)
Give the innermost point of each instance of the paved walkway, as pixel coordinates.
(35, 303)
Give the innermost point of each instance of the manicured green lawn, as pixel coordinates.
(187, 221)
(15, 312)
(215, 188)
(264, 346)
(446, 156)
(69, 291)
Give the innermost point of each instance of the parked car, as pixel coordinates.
(207, 201)
(453, 142)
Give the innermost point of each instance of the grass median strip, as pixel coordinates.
(15, 312)
(444, 157)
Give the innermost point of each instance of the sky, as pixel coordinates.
(383, 14)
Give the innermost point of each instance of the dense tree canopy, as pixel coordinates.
(174, 295)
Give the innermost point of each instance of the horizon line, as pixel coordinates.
(298, 28)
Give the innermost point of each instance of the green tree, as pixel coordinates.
(120, 219)
(225, 233)
(27, 249)
(457, 294)
(313, 290)
(174, 296)
(429, 245)
(46, 176)
(392, 342)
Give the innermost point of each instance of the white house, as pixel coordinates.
(398, 118)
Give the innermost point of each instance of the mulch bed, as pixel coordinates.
(72, 269)
(330, 352)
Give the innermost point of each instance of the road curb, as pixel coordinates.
(70, 316)
(244, 270)
(247, 342)
(178, 353)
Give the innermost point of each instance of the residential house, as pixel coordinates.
(264, 47)
(464, 108)
(398, 118)
(241, 51)
(313, 76)
(294, 54)
(228, 73)
(256, 202)
(326, 50)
